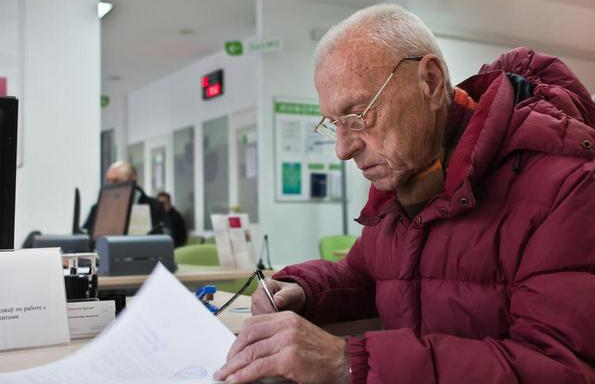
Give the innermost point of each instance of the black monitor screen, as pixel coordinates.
(113, 210)
(8, 166)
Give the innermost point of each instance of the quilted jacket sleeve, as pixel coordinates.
(335, 291)
(552, 306)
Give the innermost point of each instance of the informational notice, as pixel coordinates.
(32, 299)
(304, 160)
(234, 241)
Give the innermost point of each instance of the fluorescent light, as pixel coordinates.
(103, 8)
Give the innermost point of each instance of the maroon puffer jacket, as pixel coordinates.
(494, 281)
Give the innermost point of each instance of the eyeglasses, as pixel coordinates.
(355, 121)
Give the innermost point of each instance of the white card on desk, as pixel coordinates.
(32, 299)
(165, 336)
(88, 318)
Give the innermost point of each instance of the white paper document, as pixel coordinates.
(164, 336)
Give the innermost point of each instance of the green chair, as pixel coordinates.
(206, 255)
(329, 244)
(197, 254)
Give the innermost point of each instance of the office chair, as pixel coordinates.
(197, 254)
(329, 244)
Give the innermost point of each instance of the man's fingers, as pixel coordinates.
(252, 352)
(280, 299)
(262, 367)
(254, 329)
(260, 302)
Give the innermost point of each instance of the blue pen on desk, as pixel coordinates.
(261, 277)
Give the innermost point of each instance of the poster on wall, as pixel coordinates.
(306, 167)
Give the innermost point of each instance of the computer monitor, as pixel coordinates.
(113, 210)
(8, 165)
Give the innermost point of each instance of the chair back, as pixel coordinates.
(329, 244)
(197, 254)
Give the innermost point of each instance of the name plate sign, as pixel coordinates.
(87, 318)
(32, 299)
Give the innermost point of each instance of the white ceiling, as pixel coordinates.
(142, 39)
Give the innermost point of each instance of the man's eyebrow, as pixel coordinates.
(347, 105)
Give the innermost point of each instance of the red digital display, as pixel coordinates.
(212, 84)
(213, 90)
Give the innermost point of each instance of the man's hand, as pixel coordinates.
(286, 345)
(287, 296)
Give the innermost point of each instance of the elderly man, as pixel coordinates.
(477, 249)
(123, 171)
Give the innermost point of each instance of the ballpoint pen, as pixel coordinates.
(262, 279)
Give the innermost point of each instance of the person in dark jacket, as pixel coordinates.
(120, 172)
(175, 221)
(477, 248)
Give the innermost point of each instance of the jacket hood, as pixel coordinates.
(551, 80)
(557, 117)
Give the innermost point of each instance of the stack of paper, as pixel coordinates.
(165, 336)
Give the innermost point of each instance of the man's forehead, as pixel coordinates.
(348, 76)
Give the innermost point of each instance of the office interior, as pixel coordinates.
(127, 86)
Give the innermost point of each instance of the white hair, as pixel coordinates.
(390, 26)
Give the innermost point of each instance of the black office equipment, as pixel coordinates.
(113, 210)
(69, 243)
(134, 255)
(76, 216)
(8, 166)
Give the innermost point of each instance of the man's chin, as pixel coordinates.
(385, 185)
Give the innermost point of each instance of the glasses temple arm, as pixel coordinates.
(415, 58)
(377, 94)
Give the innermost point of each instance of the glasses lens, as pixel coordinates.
(327, 129)
(353, 122)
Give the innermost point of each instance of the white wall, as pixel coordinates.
(173, 102)
(60, 99)
(176, 101)
(464, 58)
(114, 116)
(9, 44)
(295, 228)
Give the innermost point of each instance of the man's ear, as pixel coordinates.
(431, 80)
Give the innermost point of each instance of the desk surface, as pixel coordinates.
(232, 317)
(187, 274)
(341, 252)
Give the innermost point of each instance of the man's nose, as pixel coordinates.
(348, 144)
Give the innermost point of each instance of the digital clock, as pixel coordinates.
(212, 84)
